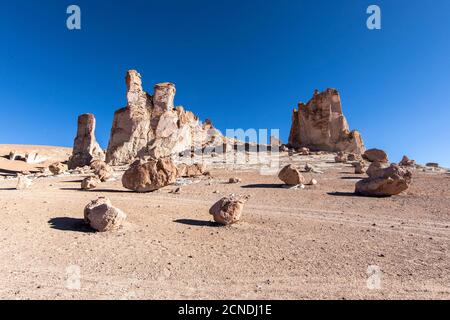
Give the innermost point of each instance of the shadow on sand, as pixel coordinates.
(97, 190)
(263, 186)
(343, 194)
(70, 224)
(197, 223)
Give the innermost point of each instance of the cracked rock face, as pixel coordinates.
(85, 148)
(150, 125)
(321, 126)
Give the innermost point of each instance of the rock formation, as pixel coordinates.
(321, 126)
(228, 210)
(85, 147)
(406, 162)
(147, 176)
(102, 216)
(383, 182)
(152, 126)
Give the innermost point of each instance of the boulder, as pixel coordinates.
(376, 155)
(147, 176)
(85, 147)
(341, 157)
(228, 210)
(23, 183)
(90, 183)
(291, 176)
(360, 167)
(304, 151)
(191, 171)
(57, 168)
(321, 125)
(102, 216)
(383, 182)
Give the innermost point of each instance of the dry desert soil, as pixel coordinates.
(322, 242)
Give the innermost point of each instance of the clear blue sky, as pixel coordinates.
(242, 63)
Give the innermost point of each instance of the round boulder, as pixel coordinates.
(102, 216)
(291, 176)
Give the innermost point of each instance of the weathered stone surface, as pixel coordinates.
(34, 158)
(375, 155)
(341, 157)
(406, 162)
(85, 147)
(376, 169)
(190, 171)
(384, 182)
(23, 183)
(320, 125)
(58, 168)
(290, 175)
(90, 183)
(228, 210)
(360, 167)
(148, 176)
(152, 126)
(102, 216)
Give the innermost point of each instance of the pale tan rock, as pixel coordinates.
(23, 183)
(290, 175)
(102, 216)
(102, 170)
(320, 125)
(58, 168)
(234, 180)
(385, 182)
(90, 183)
(376, 169)
(34, 158)
(312, 182)
(148, 176)
(304, 151)
(376, 155)
(228, 210)
(85, 148)
(360, 167)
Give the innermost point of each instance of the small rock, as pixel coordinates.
(406, 162)
(228, 210)
(290, 175)
(90, 183)
(313, 182)
(341, 157)
(234, 180)
(58, 168)
(102, 216)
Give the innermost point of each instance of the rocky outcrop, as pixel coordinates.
(228, 210)
(102, 216)
(147, 176)
(85, 148)
(406, 162)
(383, 182)
(321, 126)
(152, 126)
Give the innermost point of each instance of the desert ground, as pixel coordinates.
(312, 243)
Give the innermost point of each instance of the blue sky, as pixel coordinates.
(242, 63)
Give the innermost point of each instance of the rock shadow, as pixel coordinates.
(70, 224)
(263, 186)
(196, 223)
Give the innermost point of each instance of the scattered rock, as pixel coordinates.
(235, 180)
(341, 157)
(308, 168)
(291, 176)
(85, 148)
(102, 170)
(352, 157)
(23, 183)
(176, 191)
(432, 165)
(102, 216)
(149, 176)
(376, 155)
(191, 171)
(90, 183)
(406, 162)
(58, 168)
(384, 182)
(360, 167)
(321, 125)
(228, 210)
(312, 182)
(304, 151)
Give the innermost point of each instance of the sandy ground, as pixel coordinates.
(316, 243)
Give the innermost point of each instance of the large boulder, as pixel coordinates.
(102, 216)
(291, 175)
(147, 176)
(85, 147)
(376, 155)
(383, 182)
(228, 210)
(321, 125)
(152, 126)
(57, 168)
